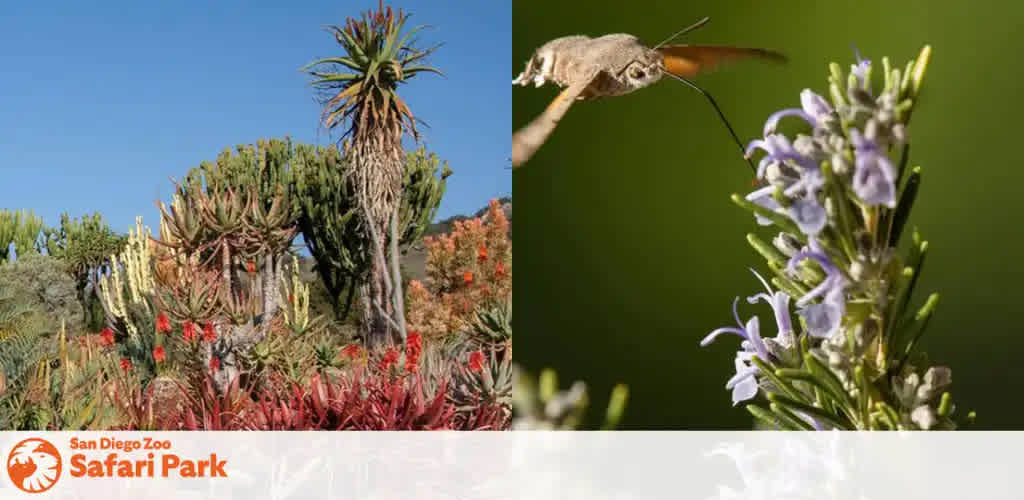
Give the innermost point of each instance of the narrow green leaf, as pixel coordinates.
(769, 373)
(769, 418)
(781, 221)
(789, 417)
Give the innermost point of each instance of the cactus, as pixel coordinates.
(330, 222)
(130, 280)
(85, 247)
(22, 228)
(294, 296)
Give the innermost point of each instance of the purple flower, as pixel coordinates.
(763, 197)
(809, 215)
(874, 177)
(813, 109)
(824, 318)
(750, 333)
(777, 148)
(779, 302)
(802, 182)
(860, 70)
(744, 383)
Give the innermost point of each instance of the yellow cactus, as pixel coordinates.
(294, 297)
(136, 261)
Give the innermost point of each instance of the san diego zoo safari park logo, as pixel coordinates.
(35, 465)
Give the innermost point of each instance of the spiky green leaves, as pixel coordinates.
(361, 86)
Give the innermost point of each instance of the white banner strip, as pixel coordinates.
(510, 465)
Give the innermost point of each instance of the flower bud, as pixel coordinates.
(787, 244)
(924, 417)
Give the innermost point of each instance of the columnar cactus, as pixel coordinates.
(130, 281)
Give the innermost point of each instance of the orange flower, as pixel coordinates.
(476, 361)
(107, 335)
(250, 267)
(214, 363)
(499, 269)
(467, 277)
(159, 355)
(351, 351)
(188, 330)
(481, 253)
(209, 335)
(163, 323)
(126, 364)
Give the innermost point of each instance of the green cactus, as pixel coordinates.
(329, 218)
(22, 228)
(85, 246)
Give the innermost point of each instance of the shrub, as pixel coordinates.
(41, 283)
(467, 270)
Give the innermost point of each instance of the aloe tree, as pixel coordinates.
(360, 92)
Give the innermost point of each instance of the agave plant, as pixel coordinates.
(493, 326)
(360, 89)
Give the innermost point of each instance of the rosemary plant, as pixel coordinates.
(840, 196)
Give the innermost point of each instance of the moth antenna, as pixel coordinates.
(739, 143)
(684, 31)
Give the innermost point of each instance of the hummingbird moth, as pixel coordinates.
(613, 65)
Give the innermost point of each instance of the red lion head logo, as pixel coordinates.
(34, 465)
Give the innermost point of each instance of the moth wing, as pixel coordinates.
(528, 139)
(690, 60)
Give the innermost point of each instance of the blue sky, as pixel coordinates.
(100, 105)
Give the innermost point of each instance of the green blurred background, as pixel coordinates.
(629, 250)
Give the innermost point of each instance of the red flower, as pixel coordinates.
(481, 253)
(107, 335)
(351, 351)
(413, 349)
(499, 269)
(250, 267)
(214, 363)
(159, 355)
(476, 361)
(390, 359)
(188, 329)
(291, 298)
(467, 278)
(126, 364)
(209, 335)
(163, 323)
